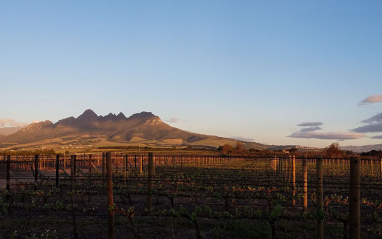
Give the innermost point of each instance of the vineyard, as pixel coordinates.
(113, 195)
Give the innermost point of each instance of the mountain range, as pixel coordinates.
(90, 129)
(141, 129)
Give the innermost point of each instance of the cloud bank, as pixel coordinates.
(373, 125)
(370, 128)
(370, 100)
(375, 119)
(311, 130)
(11, 123)
(377, 137)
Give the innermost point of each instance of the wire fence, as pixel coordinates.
(204, 196)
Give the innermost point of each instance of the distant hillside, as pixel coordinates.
(288, 147)
(364, 148)
(9, 130)
(143, 129)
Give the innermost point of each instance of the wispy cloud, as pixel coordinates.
(312, 131)
(11, 123)
(371, 99)
(327, 135)
(174, 120)
(310, 124)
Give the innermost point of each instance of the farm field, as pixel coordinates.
(183, 196)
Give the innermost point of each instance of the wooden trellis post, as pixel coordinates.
(173, 163)
(103, 164)
(103, 172)
(285, 170)
(8, 176)
(140, 164)
(90, 163)
(36, 168)
(320, 198)
(57, 169)
(354, 199)
(110, 199)
(294, 180)
(305, 186)
(150, 182)
(73, 163)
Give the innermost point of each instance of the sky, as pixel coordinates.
(275, 72)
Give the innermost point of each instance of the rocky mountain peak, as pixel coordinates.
(121, 116)
(110, 116)
(88, 115)
(142, 116)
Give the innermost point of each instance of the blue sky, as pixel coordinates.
(248, 69)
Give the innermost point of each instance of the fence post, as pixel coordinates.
(173, 163)
(36, 167)
(110, 200)
(103, 164)
(125, 167)
(103, 172)
(141, 164)
(320, 199)
(273, 164)
(57, 169)
(294, 180)
(8, 177)
(90, 163)
(286, 170)
(354, 199)
(73, 165)
(151, 172)
(135, 162)
(305, 186)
